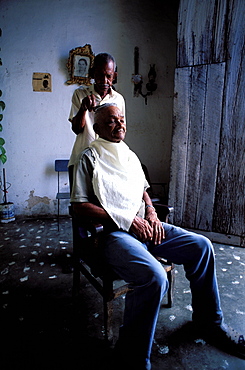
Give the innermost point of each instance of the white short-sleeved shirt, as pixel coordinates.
(88, 135)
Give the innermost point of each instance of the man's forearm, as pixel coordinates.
(78, 122)
(90, 210)
(147, 198)
(148, 203)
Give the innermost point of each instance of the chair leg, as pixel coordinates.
(108, 297)
(76, 281)
(108, 315)
(170, 275)
(76, 260)
(58, 218)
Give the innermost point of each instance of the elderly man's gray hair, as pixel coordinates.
(99, 109)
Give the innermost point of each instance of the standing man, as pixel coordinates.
(84, 100)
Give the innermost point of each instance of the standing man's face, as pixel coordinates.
(104, 76)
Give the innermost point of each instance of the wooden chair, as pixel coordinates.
(88, 259)
(163, 211)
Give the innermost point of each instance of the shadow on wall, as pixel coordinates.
(63, 68)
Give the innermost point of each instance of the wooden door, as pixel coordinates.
(207, 182)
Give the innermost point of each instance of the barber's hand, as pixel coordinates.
(88, 103)
(158, 230)
(142, 229)
(79, 121)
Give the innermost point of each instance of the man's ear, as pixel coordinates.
(115, 78)
(96, 128)
(91, 72)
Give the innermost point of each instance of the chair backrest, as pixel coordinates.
(147, 176)
(61, 165)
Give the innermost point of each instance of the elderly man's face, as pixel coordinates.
(104, 76)
(111, 125)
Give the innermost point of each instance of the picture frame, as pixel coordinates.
(80, 61)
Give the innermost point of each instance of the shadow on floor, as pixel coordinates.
(43, 328)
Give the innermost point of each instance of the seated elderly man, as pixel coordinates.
(109, 186)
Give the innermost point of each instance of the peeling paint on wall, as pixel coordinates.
(36, 204)
(34, 200)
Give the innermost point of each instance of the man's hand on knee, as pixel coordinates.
(156, 224)
(142, 229)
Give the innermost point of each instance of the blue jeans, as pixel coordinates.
(134, 262)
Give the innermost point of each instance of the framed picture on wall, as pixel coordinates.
(79, 63)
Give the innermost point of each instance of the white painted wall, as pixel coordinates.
(36, 37)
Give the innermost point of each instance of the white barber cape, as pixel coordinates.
(118, 181)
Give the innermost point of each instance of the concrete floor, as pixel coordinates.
(42, 328)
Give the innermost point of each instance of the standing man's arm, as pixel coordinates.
(78, 122)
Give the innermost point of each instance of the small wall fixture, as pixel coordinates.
(138, 80)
